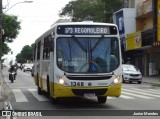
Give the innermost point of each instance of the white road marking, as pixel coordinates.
(148, 91)
(19, 96)
(126, 94)
(136, 95)
(142, 93)
(110, 97)
(38, 97)
(154, 90)
(126, 97)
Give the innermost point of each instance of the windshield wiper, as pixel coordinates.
(99, 40)
(79, 43)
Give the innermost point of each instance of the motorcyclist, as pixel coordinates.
(12, 69)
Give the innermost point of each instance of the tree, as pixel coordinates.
(96, 10)
(19, 58)
(25, 55)
(32, 47)
(11, 27)
(111, 6)
(5, 49)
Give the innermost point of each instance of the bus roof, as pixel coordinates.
(73, 23)
(84, 23)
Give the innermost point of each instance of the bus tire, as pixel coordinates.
(48, 86)
(54, 100)
(102, 99)
(39, 89)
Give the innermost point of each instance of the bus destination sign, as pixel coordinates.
(86, 30)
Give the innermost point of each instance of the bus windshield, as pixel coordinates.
(87, 54)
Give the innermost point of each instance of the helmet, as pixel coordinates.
(12, 66)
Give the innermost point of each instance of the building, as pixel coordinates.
(143, 44)
(123, 18)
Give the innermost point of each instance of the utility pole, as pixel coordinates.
(0, 45)
(0, 37)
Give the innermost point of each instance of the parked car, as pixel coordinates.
(27, 67)
(130, 73)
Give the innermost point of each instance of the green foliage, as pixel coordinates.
(26, 54)
(11, 27)
(20, 59)
(5, 49)
(96, 10)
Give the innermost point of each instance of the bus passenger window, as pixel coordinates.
(48, 46)
(39, 50)
(34, 53)
(47, 53)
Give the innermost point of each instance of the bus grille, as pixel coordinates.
(88, 78)
(97, 92)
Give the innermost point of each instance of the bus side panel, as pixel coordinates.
(41, 82)
(51, 73)
(35, 80)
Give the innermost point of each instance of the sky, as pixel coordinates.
(35, 18)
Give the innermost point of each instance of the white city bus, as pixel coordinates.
(79, 59)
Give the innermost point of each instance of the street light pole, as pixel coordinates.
(0, 36)
(0, 43)
(18, 3)
(1, 17)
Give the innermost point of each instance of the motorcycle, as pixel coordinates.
(12, 76)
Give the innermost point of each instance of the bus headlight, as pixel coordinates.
(116, 80)
(61, 81)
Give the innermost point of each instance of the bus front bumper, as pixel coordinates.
(62, 91)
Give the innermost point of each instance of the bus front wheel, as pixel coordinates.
(38, 86)
(54, 100)
(48, 86)
(102, 99)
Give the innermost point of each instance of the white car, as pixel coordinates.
(130, 73)
(27, 67)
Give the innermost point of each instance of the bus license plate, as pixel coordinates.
(89, 95)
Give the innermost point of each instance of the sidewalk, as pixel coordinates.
(1, 94)
(151, 79)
